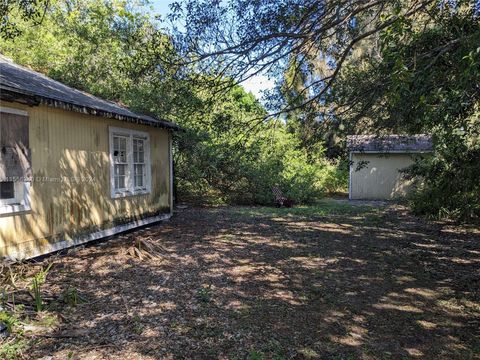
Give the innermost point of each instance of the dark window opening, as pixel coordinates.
(7, 190)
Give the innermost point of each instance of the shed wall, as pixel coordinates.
(380, 178)
(70, 195)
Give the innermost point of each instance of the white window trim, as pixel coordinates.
(21, 202)
(129, 180)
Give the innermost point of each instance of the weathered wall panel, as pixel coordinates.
(70, 194)
(380, 178)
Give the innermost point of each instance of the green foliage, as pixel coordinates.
(15, 349)
(71, 297)
(228, 152)
(14, 14)
(8, 319)
(37, 294)
(110, 48)
(426, 81)
(229, 167)
(450, 188)
(137, 326)
(255, 355)
(37, 282)
(204, 294)
(321, 208)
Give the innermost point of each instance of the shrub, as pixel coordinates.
(213, 171)
(450, 188)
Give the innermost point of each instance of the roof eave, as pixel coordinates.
(31, 99)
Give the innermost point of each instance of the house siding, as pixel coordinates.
(380, 178)
(70, 195)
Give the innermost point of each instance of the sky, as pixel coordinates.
(254, 84)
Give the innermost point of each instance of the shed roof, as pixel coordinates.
(390, 143)
(18, 83)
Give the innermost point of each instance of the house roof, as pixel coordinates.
(20, 84)
(390, 143)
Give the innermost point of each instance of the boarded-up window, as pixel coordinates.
(15, 157)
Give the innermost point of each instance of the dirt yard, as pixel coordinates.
(333, 281)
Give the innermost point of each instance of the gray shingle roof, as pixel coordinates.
(390, 143)
(22, 84)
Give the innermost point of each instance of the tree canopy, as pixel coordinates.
(350, 67)
(119, 51)
(340, 67)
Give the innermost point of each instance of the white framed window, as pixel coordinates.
(130, 171)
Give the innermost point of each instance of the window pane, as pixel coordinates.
(139, 181)
(138, 151)
(119, 176)
(7, 190)
(119, 169)
(123, 144)
(120, 149)
(119, 182)
(123, 156)
(138, 178)
(138, 169)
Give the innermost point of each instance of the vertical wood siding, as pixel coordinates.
(70, 194)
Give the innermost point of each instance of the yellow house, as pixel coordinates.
(73, 167)
(376, 163)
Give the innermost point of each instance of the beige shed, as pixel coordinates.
(376, 163)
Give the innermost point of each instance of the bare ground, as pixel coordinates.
(339, 282)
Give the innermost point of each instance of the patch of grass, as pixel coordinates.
(37, 282)
(322, 208)
(8, 319)
(255, 355)
(263, 355)
(372, 220)
(272, 350)
(137, 325)
(308, 353)
(204, 294)
(48, 319)
(71, 297)
(14, 349)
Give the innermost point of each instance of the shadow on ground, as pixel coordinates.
(253, 283)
